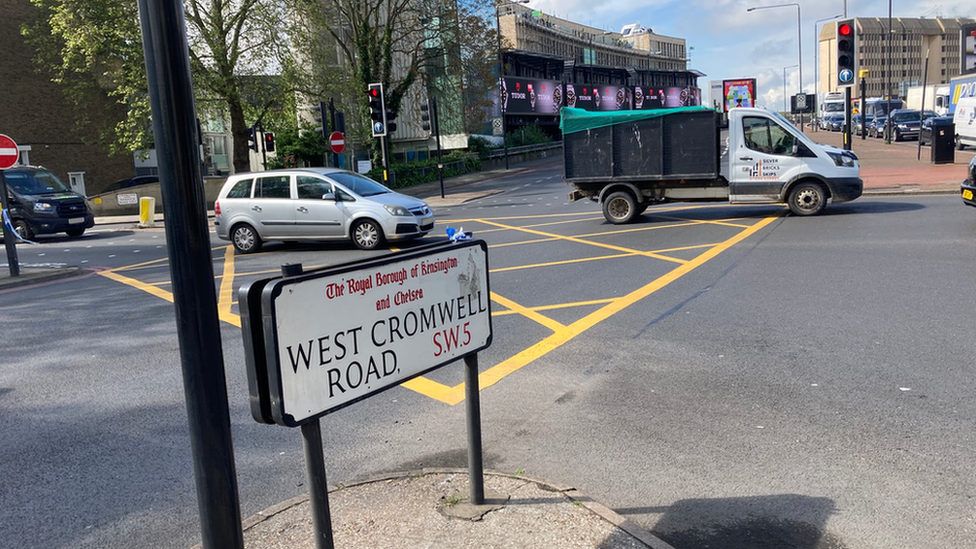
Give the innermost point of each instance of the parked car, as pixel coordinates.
(969, 185)
(925, 134)
(905, 123)
(876, 128)
(835, 122)
(928, 114)
(40, 203)
(862, 123)
(131, 182)
(315, 204)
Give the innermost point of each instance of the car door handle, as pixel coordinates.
(746, 158)
(303, 209)
(256, 208)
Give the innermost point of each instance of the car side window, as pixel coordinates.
(311, 187)
(273, 187)
(766, 136)
(241, 189)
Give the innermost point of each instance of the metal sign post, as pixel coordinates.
(8, 157)
(191, 268)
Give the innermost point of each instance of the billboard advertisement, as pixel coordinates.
(647, 97)
(598, 98)
(968, 44)
(739, 93)
(531, 96)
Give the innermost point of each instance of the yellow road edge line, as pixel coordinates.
(139, 285)
(225, 297)
(498, 372)
(528, 313)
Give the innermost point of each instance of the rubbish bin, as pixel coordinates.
(943, 142)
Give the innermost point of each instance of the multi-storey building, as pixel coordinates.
(634, 47)
(912, 40)
(633, 68)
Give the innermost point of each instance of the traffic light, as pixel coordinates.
(377, 109)
(425, 117)
(269, 142)
(846, 53)
(390, 124)
(318, 114)
(252, 142)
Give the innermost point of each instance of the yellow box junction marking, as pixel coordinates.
(561, 333)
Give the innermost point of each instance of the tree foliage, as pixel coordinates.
(94, 47)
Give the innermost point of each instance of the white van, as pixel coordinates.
(965, 121)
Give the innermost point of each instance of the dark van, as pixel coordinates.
(40, 203)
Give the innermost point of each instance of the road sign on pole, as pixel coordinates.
(8, 157)
(337, 141)
(8, 152)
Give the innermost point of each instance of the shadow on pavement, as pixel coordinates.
(786, 521)
(869, 207)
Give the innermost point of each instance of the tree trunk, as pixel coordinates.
(238, 129)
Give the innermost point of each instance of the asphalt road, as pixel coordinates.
(725, 376)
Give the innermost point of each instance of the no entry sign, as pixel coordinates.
(337, 142)
(324, 339)
(8, 152)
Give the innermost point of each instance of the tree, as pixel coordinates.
(95, 47)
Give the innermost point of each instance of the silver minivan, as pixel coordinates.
(315, 204)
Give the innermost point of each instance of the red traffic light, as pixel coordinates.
(844, 29)
(374, 92)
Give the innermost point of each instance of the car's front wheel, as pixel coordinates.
(245, 238)
(807, 199)
(76, 232)
(367, 234)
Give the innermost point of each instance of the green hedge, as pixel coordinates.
(416, 173)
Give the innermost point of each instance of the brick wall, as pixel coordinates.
(35, 112)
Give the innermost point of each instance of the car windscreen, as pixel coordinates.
(906, 117)
(358, 184)
(30, 182)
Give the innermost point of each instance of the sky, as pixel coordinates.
(730, 42)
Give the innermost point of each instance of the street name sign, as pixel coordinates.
(321, 340)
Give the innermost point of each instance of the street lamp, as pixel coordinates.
(799, 45)
(816, 63)
(786, 106)
(501, 72)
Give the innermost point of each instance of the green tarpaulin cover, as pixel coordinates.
(577, 120)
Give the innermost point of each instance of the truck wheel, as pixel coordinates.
(807, 199)
(75, 232)
(620, 207)
(959, 145)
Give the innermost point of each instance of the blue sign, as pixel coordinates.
(846, 75)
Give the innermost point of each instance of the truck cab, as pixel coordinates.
(770, 161)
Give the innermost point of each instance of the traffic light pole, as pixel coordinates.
(332, 124)
(860, 108)
(848, 118)
(437, 135)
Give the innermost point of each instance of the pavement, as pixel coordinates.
(431, 508)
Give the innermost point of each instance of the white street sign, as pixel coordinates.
(342, 336)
